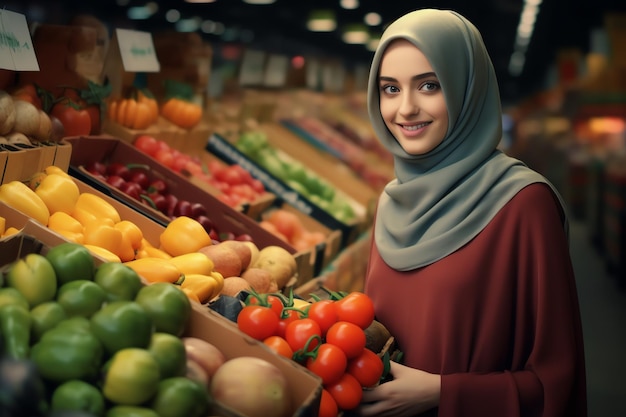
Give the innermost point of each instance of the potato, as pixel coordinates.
(234, 285)
(18, 138)
(225, 260)
(260, 280)
(27, 118)
(7, 113)
(279, 261)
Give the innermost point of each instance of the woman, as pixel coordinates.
(470, 267)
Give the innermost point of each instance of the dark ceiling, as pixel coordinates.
(281, 27)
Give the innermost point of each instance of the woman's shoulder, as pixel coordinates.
(536, 199)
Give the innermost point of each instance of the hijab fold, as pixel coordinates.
(442, 199)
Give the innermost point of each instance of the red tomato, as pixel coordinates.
(75, 120)
(257, 321)
(272, 301)
(286, 317)
(347, 392)
(165, 157)
(328, 405)
(95, 117)
(299, 332)
(348, 336)
(146, 144)
(324, 312)
(329, 363)
(279, 345)
(356, 308)
(367, 368)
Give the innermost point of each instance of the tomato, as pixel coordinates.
(348, 336)
(367, 368)
(95, 117)
(28, 92)
(324, 312)
(75, 120)
(329, 363)
(272, 301)
(357, 308)
(146, 144)
(286, 317)
(257, 321)
(328, 405)
(346, 392)
(165, 157)
(279, 345)
(299, 332)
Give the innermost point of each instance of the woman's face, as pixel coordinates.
(412, 103)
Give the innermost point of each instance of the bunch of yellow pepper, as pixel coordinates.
(53, 198)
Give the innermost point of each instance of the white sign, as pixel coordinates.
(276, 71)
(137, 51)
(16, 47)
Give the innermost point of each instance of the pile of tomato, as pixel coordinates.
(327, 336)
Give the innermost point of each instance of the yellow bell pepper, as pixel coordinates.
(204, 286)
(58, 192)
(103, 253)
(184, 235)
(53, 169)
(18, 195)
(10, 231)
(72, 236)
(97, 206)
(105, 235)
(3, 225)
(189, 293)
(131, 231)
(193, 263)
(62, 221)
(156, 270)
(151, 252)
(85, 217)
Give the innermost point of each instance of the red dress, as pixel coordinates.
(499, 318)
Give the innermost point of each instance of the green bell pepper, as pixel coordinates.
(34, 277)
(168, 306)
(181, 396)
(70, 350)
(71, 261)
(80, 297)
(15, 324)
(119, 281)
(169, 352)
(44, 317)
(132, 377)
(77, 395)
(10, 295)
(122, 324)
(130, 411)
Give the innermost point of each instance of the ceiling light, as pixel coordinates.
(372, 19)
(356, 34)
(349, 4)
(322, 21)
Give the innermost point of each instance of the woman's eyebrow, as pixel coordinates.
(414, 78)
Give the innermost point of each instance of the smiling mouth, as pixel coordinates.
(415, 127)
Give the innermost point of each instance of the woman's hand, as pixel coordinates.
(411, 392)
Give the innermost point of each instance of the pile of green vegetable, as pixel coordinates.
(93, 340)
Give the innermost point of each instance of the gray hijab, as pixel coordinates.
(441, 200)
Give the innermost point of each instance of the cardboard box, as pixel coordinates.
(227, 219)
(20, 162)
(305, 387)
(225, 150)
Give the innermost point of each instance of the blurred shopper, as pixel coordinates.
(470, 267)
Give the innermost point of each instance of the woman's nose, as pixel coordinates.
(409, 105)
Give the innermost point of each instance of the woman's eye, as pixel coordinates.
(430, 87)
(390, 89)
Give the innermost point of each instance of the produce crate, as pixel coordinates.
(87, 149)
(305, 387)
(19, 162)
(225, 217)
(226, 151)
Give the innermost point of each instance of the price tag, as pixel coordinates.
(16, 46)
(137, 51)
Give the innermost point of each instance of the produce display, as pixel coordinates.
(327, 336)
(288, 226)
(82, 337)
(234, 184)
(254, 145)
